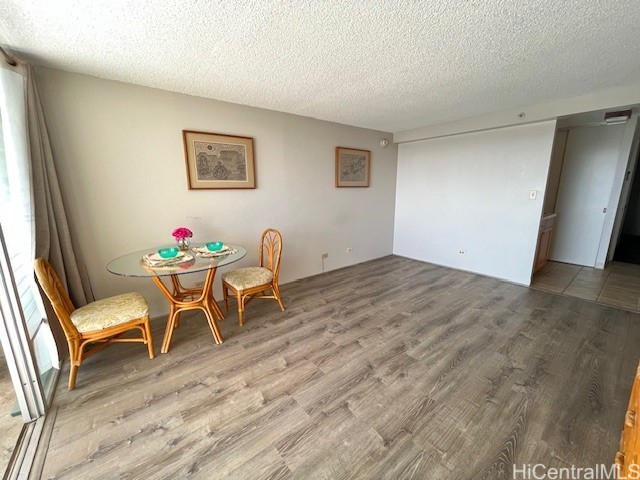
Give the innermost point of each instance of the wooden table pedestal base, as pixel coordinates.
(182, 299)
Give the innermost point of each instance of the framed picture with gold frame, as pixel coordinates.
(353, 167)
(216, 160)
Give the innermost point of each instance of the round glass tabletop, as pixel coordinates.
(144, 263)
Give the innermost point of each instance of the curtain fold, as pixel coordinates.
(55, 239)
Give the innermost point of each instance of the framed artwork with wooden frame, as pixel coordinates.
(216, 160)
(353, 167)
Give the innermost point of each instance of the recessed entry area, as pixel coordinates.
(590, 213)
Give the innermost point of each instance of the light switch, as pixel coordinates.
(533, 194)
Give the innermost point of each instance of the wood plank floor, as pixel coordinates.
(388, 369)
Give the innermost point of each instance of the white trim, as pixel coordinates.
(15, 343)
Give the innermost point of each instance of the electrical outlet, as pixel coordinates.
(533, 194)
(324, 255)
(349, 249)
(199, 284)
(462, 252)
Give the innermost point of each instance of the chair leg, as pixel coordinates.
(73, 365)
(76, 361)
(276, 293)
(72, 375)
(149, 338)
(240, 308)
(225, 295)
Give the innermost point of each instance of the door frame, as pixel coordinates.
(16, 345)
(628, 174)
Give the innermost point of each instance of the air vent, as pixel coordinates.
(612, 118)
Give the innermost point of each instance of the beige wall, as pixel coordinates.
(120, 157)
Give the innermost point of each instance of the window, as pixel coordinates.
(26, 339)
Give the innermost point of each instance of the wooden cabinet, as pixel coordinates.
(544, 241)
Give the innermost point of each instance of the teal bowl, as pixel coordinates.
(169, 252)
(214, 246)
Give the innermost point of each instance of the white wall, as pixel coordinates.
(471, 192)
(121, 162)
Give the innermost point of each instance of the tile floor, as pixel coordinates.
(617, 285)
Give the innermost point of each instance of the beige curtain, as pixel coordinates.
(55, 239)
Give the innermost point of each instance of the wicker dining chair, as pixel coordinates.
(102, 322)
(250, 282)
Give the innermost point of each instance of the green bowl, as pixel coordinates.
(169, 252)
(214, 246)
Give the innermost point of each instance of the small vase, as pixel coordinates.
(183, 243)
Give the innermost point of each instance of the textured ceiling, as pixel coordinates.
(386, 64)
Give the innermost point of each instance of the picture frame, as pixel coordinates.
(218, 161)
(353, 167)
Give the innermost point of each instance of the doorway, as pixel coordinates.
(627, 249)
(588, 173)
(588, 185)
(588, 190)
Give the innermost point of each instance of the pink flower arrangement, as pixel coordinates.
(182, 232)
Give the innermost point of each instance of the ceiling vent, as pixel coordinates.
(612, 118)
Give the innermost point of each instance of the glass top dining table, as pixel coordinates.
(180, 297)
(132, 265)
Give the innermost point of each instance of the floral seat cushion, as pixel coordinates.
(249, 277)
(110, 312)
